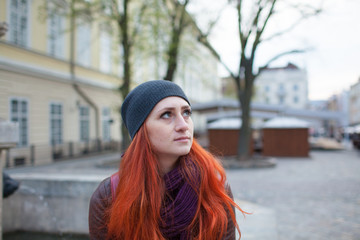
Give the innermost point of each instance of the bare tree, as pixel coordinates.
(251, 35)
(127, 38)
(178, 21)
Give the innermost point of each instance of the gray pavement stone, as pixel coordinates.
(261, 224)
(316, 198)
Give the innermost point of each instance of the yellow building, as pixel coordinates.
(63, 109)
(59, 80)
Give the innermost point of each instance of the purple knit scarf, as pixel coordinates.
(179, 206)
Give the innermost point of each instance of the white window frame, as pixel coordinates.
(83, 43)
(19, 32)
(56, 34)
(281, 87)
(105, 52)
(281, 100)
(119, 62)
(82, 119)
(296, 87)
(56, 117)
(106, 125)
(21, 115)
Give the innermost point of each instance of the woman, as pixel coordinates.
(167, 186)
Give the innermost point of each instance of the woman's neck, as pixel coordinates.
(167, 164)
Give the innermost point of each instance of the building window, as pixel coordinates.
(281, 87)
(19, 22)
(281, 100)
(106, 124)
(267, 88)
(105, 52)
(120, 63)
(84, 124)
(56, 126)
(296, 99)
(83, 45)
(19, 114)
(56, 32)
(296, 87)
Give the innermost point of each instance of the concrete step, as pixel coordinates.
(259, 225)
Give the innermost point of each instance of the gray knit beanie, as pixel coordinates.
(140, 101)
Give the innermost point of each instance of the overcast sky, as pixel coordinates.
(332, 65)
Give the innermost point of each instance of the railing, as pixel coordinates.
(37, 154)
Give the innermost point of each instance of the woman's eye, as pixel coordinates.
(187, 113)
(166, 115)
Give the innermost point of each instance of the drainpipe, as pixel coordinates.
(73, 77)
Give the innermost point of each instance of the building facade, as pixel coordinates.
(61, 85)
(285, 86)
(354, 104)
(64, 108)
(338, 103)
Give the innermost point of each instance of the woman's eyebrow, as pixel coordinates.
(172, 108)
(166, 109)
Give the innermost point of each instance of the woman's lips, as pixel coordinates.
(182, 139)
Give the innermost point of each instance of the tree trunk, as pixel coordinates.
(125, 137)
(125, 87)
(245, 136)
(173, 54)
(178, 24)
(245, 130)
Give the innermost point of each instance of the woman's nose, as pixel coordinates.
(181, 124)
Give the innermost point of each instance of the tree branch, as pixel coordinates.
(295, 51)
(182, 23)
(271, 11)
(304, 15)
(214, 22)
(241, 34)
(256, 18)
(260, 32)
(139, 20)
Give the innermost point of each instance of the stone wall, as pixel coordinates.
(56, 205)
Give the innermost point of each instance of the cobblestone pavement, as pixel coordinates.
(316, 198)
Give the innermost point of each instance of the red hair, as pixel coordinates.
(135, 213)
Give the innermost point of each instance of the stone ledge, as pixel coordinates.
(254, 162)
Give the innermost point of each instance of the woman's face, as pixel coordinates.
(170, 129)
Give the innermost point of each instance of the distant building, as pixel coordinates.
(337, 103)
(354, 104)
(285, 86)
(64, 92)
(340, 103)
(317, 105)
(63, 109)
